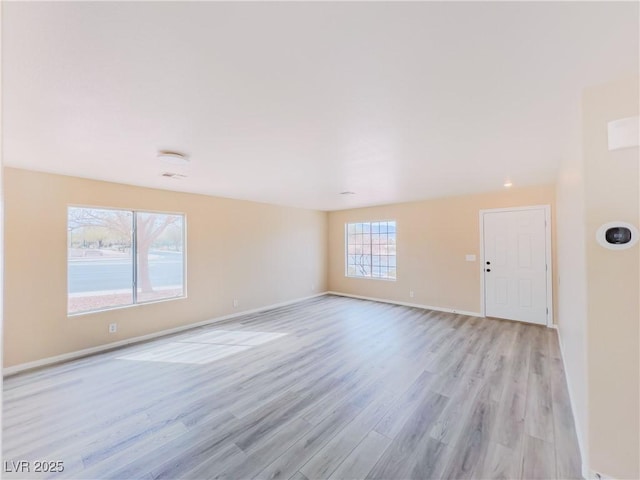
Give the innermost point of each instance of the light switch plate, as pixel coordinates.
(470, 258)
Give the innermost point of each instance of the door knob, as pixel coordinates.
(488, 263)
(488, 270)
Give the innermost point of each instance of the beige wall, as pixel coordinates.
(613, 285)
(433, 237)
(257, 253)
(572, 287)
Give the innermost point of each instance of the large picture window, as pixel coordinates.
(371, 249)
(102, 246)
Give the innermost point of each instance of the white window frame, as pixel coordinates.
(346, 251)
(134, 261)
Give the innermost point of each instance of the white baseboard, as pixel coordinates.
(593, 475)
(109, 346)
(586, 471)
(406, 304)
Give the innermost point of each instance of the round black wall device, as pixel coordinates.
(617, 235)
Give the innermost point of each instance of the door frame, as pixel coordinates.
(549, 279)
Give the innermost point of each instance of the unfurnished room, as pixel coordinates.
(320, 240)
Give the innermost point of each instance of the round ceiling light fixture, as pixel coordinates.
(508, 184)
(174, 158)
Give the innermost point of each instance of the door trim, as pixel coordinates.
(549, 282)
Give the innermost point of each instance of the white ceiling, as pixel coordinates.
(292, 103)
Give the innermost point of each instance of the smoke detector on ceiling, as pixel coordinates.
(174, 158)
(174, 176)
(623, 133)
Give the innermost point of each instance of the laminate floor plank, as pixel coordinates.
(331, 387)
(395, 460)
(510, 417)
(472, 445)
(502, 463)
(450, 424)
(539, 412)
(341, 445)
(270, 450)
(565, 438)
(101, 469)
(428, 461)
(290, 461)
(538, 459)
(393, 421)
(362, 459)
(298, 476)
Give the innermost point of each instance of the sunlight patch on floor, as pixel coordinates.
(234, 337)
(203, 348)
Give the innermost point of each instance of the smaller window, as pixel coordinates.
(370, 250)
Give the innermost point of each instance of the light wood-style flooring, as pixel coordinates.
(332, 388)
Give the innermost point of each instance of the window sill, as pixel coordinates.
(372, 278)
(122, 307)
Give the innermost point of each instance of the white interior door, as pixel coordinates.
(515, 265)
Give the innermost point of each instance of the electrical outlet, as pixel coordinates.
(113, 327)
(236, 303)
(411, 293)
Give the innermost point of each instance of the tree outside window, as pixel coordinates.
(102, 244)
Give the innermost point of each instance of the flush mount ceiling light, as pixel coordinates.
(508, 184)
(347, 193)
(174, 158)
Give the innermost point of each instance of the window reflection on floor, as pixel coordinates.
(203, 348)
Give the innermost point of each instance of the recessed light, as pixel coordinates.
(508, 184)
(174, 158)
(347, 193)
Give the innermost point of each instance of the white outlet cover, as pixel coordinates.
(470, 258)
